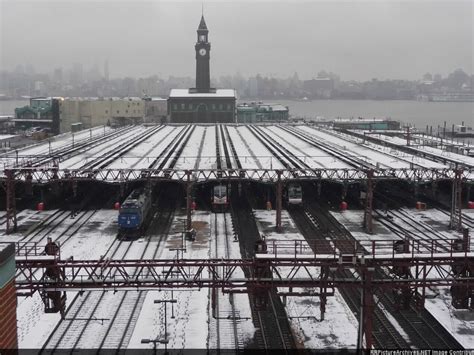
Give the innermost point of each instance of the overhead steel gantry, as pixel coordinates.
(45, 175)
(294, 267)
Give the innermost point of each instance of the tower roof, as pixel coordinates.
(202, 24)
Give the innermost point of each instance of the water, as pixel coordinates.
(417, 113)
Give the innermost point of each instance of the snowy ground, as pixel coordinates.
(460, 323)
(91, 318)
(192, 325)
(339, 328)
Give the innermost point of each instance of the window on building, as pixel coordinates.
(175, 106)
(118, 111)
(183, 106)
(229, 107)
(213, 106)
(221, 107)
(106, 111)
(126, 111)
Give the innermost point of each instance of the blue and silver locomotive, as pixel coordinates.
(134, 211)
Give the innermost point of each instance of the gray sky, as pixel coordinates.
(357, 39)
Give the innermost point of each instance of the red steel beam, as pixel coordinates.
(223, 273)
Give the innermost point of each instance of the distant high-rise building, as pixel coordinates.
(58, 75)
(106, 70)
(77, 74)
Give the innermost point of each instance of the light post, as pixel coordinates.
(166, 320)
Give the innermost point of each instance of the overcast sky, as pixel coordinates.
(357, 39)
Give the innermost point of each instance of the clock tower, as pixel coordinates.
(203, 47)
(202, 104)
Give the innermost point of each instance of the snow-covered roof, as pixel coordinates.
(229, 93)
(6, 136)
(307, 145)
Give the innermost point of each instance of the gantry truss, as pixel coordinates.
(45, 175)
(294, 267)
(51, 174)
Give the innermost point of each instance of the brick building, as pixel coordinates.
(8, 325)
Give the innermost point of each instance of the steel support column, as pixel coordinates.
(323, 291)
(278, 201)
(368, 224)
(367, 303)
(11, 203)
(188, 200)
(456, 201)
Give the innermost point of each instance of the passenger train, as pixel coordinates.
(220, 198)
(294, 195)
(134, 212)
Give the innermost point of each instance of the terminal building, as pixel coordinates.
(202, 104)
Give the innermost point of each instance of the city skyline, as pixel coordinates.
(304, 37)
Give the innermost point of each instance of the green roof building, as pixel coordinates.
(261, 112)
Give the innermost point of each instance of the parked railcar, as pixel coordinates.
(134, 212)
(294, 194)
(219, 198)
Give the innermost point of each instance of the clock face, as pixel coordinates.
(202, 52)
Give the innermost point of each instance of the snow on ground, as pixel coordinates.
(221, 230)
(339, 328)
(34, 326)
(418, 224)
(189, 327)
(460, 323)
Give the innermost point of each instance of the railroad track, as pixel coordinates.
(160, 225)
(273, 328)
(52, 222)
(432, 335)
(398, 198)
(126, 309)
(224, 339)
